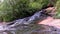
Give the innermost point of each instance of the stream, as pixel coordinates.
(27, 25)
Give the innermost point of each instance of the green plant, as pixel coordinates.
(14, 9)
(57, 6)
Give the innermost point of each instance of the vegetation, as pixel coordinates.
(14, 9)
(57, 9)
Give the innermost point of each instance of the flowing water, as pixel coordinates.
(27, 26)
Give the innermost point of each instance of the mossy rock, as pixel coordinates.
(14, 9)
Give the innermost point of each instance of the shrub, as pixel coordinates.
(57, 5)
(14, 9)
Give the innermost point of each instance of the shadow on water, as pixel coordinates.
(27, 25)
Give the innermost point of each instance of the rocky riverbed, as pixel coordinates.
(28, 25)
(30, 29)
